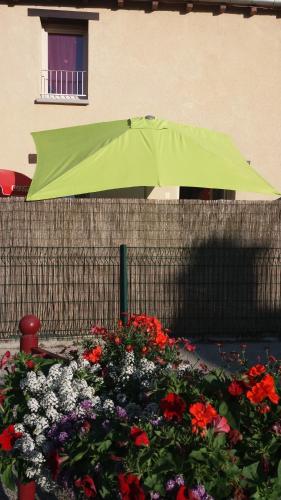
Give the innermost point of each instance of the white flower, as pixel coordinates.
(41, 425)
(73, 366)
(96, 403)
(45, 482)
(146, 366)
(31, 472)
(25, 443)
(183, 368)
(108, 406)
(52, 414)
(19, 428)
(49, 400)
(30, 419)
(33, 405)
(83, 363)
(36, 457)
(40, 439)
(95, 368)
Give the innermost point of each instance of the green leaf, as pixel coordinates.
(279, 471)
(78, 457)
(105, 445)
(199, 455)
(219, 440)
(223, 409)
(151, 481)
(8, 478)
(104, 492)
(250, 472)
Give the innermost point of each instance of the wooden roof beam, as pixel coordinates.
(222, 8)
(189, 7)
(253, 10)
(120, 4)
(155, 4)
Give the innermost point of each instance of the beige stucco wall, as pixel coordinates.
(221, 72)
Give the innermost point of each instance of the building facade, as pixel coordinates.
(69, 63)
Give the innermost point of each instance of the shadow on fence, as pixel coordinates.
(230, 291)
(217, 289)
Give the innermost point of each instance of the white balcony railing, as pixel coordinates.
(63, 83)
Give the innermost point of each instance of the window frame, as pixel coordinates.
(61, 27)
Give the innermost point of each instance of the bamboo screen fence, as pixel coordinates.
(207, 269)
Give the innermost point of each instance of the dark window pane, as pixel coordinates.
(65, 63)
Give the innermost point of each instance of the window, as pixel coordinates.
(189, 193)
(64, 75)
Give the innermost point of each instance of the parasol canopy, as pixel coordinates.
(138, 152)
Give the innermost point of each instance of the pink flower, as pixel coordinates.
(189, 346)
(220, 424)
(5, 359)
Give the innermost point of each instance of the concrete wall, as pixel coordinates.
(221, 72)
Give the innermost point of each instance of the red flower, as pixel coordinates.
(263, 389)
(203, 414)
(87, 485)
(54, 462)
(161, 339)
(264, 409)
(86, 426)
(236, 388)
(129, 348)
(94, 355)
(234, 436)
(272, 359)
(130, 488)
(182, 493)
(140, 437)
(173, 407)
(30, 364)
(8, 438)
(5, 359)
(117, 340)
(256, 370)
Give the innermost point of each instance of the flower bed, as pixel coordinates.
(124, 417)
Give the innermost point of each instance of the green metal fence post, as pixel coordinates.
(123, 283)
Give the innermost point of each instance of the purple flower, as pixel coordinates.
(86, 404)
(121, 412)
(156, 421)
(154, 495)
(179, 480)
(62, 437)
(170, 485)
(199, 493)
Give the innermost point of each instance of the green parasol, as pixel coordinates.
(138, 152)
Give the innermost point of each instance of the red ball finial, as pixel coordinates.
(29, 325)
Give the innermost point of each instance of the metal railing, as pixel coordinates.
(63, 83)
(201, 291)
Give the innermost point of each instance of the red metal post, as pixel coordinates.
(27, 491)
(29, 326)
